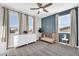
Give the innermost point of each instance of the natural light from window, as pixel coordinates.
(30, 22)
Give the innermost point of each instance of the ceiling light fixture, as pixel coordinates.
(40, 9)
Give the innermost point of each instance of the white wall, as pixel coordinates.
(78, 25)
(1, 22)
(37, 26)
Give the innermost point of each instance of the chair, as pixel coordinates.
(49, 37)
(65, 38)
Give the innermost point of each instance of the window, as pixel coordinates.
(64, 23)
(13, 22)
(30, 23)
(13, 27)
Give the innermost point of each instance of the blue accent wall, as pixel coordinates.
(49, 24)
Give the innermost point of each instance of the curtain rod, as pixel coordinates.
(17, 11)
(63, 11)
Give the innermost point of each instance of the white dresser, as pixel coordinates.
(20, 40)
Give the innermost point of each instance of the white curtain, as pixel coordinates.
(23, 24)
(6, 26)
(20, 21)
(73, 34)
(57, 35)
(27, 25)
(33, 24)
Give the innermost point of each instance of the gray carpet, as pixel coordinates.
(41, 48)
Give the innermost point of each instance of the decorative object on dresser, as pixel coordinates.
(25, 32)
(49, 37)
(40, 32)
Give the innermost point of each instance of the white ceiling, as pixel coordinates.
(25, 7)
